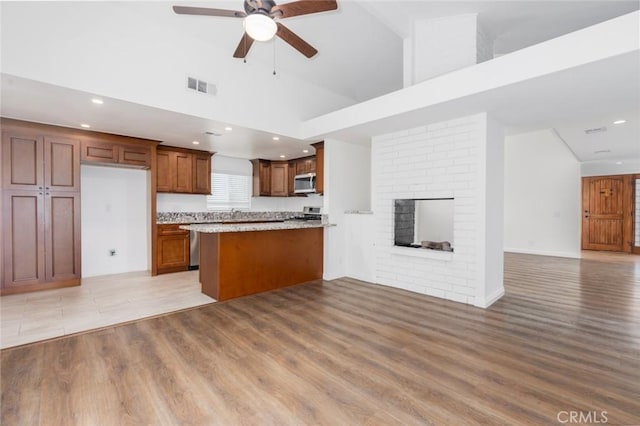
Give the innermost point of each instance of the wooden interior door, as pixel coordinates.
(606, 218)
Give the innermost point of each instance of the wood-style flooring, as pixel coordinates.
(565, 337)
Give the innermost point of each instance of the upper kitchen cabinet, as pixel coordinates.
(35, 162)
(113, 153)
(279, 179)
(319, 146)
(202, 173)
(183, 170)
(261, 178)
(306, 165)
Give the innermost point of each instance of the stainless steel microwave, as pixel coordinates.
(304, 183)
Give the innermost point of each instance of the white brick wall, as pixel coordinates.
(436, 161)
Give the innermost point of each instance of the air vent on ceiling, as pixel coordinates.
(201, 86)
(596, 130)
(210, 133)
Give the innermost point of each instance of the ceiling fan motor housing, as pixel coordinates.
(262, 7)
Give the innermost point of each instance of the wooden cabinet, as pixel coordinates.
(305, 165)
(319, 146)
(173, 249)
(261, 178)
(99, 152)
(110, 153)
(291, 177)
(279, 178)
(41, 211)
(202, 173)
(33, 162)
(276, 178)
(183, 171)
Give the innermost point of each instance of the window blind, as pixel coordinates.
(229, 191)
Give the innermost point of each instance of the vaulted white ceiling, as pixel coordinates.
(360, 57)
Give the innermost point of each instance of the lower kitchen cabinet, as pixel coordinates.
(172, 249)
(41, 241)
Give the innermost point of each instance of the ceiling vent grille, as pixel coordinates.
(201, 86)
(596, 130)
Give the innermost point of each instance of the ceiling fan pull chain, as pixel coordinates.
(274, 56)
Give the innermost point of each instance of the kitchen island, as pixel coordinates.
(238, 259)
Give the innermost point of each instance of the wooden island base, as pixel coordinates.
(234, 264)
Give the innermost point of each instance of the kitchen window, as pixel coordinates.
(229, 191)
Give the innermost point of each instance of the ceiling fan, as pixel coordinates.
(260, 21)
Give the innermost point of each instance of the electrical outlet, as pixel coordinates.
(112, 252)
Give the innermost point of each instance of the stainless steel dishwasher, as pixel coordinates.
(194, 250)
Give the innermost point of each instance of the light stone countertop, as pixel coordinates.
(211, 228)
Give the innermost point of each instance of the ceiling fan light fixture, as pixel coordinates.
(260, 27)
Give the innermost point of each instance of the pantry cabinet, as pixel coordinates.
(40, 210)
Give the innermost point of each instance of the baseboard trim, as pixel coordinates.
(568, 254)
(488, 301)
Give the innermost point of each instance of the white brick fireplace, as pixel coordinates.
(460, 159)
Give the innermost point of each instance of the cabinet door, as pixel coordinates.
(265, 178)
(94, 151)
(292, 174)
(135, 155)
(22, 161)
(183, 175)
(319, 167)
(61, 164)
(173, 251)
(23, 238)
(202, 173)
(164, 171)
(62, 235)
(279, 179)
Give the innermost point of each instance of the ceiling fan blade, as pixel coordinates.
(243, 46)
(295, 41)
(205, 11)
(303, 7)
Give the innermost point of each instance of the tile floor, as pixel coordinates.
(98, 302)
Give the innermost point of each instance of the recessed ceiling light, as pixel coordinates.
(275, 138)
(228, 129)
(618, 162)
(305, 150)
(195, 143)
(282, 156)
(97, 101)
(619, 121)
(86, 126)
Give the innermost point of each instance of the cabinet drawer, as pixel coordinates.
(172, 229)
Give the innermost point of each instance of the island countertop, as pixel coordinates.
(210, 228)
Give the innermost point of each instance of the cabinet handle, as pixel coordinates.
(39, 193)
(39, 187)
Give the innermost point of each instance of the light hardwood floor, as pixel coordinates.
(98, 302)
(565, 337)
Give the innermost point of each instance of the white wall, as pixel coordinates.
(115, 215)
(542, 195)
(347, 183)
(359, 246)
(442, 45)
(453, 159)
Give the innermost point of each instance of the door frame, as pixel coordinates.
(634, 249)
